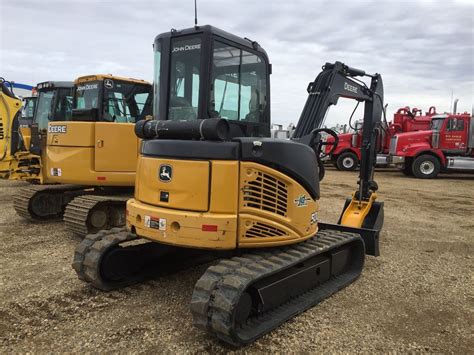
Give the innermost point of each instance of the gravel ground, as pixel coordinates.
(417, 296)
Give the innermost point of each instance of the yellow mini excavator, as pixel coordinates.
(24, 138)
(209, 179)
(90, 159)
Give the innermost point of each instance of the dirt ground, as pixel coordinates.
(417, 296)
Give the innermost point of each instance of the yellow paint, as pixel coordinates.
(101, 77)
(224, 186)
(188, 188)
(25, 133)
(190, 232)
(77, 167)
(116, 147)
(15, 166)
(355, 213)
(93, 153)
(87, 153)
(240, 221)
(296, 221)
(78, 134)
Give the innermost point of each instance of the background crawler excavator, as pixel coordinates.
(90, 159)
(25, 142)
(217, 183)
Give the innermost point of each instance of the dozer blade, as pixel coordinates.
(241, 299)
(370, 236)
(364, 218)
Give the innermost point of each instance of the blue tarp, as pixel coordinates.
(22, 86)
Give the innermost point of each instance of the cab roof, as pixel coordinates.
(211, 30)
(101, 77)
(54, 84)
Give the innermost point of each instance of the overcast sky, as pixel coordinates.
(423, 49)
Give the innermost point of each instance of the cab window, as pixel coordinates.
(126, 102)
(63, 109)
(184, 79)
(455, 124)
(43, 110)
(238, 90)
(87, 95)
(29, 108)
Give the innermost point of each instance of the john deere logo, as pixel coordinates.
(302, 201)
(108, 83)
(166, 173)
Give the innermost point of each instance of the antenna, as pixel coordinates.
(195, 13)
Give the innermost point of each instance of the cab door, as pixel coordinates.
(116, 147)
(453, 138)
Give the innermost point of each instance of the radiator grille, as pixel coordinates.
(266, 193)
(264, 230)
(393, 145)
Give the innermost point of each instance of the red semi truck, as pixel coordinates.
(448, 146)
(348, 153)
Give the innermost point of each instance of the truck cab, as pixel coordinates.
(448, 145)
(347, 154)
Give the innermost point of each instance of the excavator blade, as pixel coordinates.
(365, 219)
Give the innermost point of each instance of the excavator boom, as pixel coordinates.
(335, 81)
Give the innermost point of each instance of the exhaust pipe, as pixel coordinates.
(455, 106)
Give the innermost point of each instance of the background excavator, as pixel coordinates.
(209, 179)
(90, 158)
(24, 138)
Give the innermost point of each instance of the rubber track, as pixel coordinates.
(88, 253)
(159, 259)
(218, 291)
(77, 211)
(25, 194)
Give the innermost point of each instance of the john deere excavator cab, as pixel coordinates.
(206, 72)
(208, 178)
(90, 155)
(107, 98)
(28, 135)
(54, 103)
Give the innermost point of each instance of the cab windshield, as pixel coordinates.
(122, 102)
(53, 105)
(126, 102)
(87, 95)
(436, 124)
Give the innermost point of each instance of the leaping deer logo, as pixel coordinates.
(166, 172)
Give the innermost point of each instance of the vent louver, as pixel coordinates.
(266, 193)
(264, 230)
